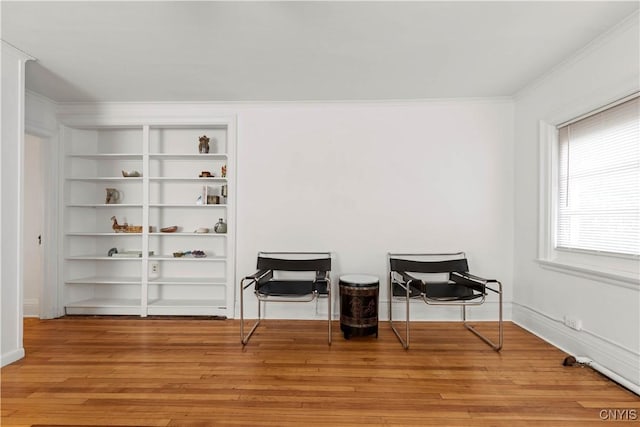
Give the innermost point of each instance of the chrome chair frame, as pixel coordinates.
(261, 275)
(484, 283)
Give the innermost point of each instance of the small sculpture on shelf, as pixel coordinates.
(220, 227)
(203, 146)
(223, 171)
(194, 253)
(118, 228)
(126, 228)
(131, 174)
(205, 174)
(113, 196)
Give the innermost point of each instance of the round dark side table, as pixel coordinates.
(359, 305)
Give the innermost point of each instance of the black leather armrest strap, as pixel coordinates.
(478, 278)
(408, 278)
(261, 275)
(322, 275)
(405, 281)
(469, 280)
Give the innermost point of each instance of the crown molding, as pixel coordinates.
(14, 51)
(626, 24)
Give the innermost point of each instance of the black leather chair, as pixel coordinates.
(275, 282)
(439, 279)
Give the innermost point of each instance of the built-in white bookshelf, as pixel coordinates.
(142, 266)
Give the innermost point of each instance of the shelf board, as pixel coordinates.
(105, 280)
(186, 303)
(137, 179)
(185, 205)
(187, 258)
(107, 156)
(101, 258)
(187, 179)
(184, 233)
(111, 233)
(187, 281)
(104, 205)
(187, 156)
(139, 205)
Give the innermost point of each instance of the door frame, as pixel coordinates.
(50, 295)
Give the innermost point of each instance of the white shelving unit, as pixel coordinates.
(168, 193)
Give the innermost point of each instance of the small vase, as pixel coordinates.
(220, 227)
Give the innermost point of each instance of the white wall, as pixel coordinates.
(363, 179)
(602, 72)
(12, 113)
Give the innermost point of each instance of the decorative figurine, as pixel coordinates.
(113, 196)
(203, 147)
(117, 227)
(126, 228)
(223, 171)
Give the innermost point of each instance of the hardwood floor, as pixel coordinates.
(188, 372)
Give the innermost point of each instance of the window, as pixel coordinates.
(598, 174)
(589, 200)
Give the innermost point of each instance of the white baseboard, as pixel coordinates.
(31, 308)
(582, 344)
(11, 356)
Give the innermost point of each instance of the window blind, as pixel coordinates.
(599, 181)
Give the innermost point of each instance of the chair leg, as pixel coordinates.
(492, 344)
(241, 313)
(329, 308)
(245, 338)
(404, 342)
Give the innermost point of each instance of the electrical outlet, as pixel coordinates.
(155, 268)
(573, 323)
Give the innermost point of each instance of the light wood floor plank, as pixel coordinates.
(124, 371)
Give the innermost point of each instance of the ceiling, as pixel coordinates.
(297, 51)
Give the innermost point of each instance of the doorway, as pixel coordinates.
(33, 225)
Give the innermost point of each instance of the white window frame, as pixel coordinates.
(618, 269)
